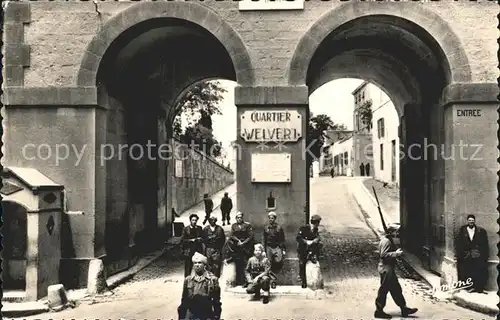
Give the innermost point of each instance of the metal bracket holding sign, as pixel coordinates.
(248, 5)
(271, 167)
(271, 126)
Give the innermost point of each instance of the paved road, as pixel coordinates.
(350, 275)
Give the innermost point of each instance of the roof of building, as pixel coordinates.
(338, 135)
(361, 86)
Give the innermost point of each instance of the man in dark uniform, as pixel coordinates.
(367, 169)
(226, 205)
(308, 246)
(362, 169)
(472, 254)
(191, 241)
(209, 207)
(214, 239)
(240, 246)
(274, 242)
(200, 293)
(388, 278)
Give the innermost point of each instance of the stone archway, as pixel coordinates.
(413, 59)
(436, 28)
(188, 11)
(141, 61)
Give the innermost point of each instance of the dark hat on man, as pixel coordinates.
(316, 218)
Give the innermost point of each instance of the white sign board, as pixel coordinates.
(271, 167)
(271, 126)
(178, 169)
(271, 5)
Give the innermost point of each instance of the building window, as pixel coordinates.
(381, 156)
(346, 158)
(380, 128)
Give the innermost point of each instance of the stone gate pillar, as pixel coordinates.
(271, 158)
(470, 144)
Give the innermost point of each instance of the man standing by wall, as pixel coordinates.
(214, 239)
(226, 205)
(309, 243)
(240, 246)
(209, 206)
(473, 254)
(274, 242)
(192, 242)
(367, 169)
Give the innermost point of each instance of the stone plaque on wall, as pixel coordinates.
(271, 167)
(178, 168)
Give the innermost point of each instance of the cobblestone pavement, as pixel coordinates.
(349, 268)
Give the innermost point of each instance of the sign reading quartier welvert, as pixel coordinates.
(271, 126)
(249, 5)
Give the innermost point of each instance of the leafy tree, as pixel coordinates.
(316, 135)
(198, 105)
(365, 114)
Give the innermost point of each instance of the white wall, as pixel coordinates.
(339, 148)
(384, 108)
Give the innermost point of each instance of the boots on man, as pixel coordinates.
(380, 314)
(407, 311)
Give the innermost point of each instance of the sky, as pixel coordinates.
(334, 99)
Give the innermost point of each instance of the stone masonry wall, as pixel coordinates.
(194, 174)
(271, 37)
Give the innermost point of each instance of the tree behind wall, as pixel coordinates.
(198, 105)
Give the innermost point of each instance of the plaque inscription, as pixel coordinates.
(271, 167)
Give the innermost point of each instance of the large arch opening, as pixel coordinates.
(139, 80)
(407, 64)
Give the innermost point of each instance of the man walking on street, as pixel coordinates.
(214, 239)
(226, 205)
(388, 278)
(209, 207)
(309, 246)
(472, 254)
(192, 242)
(274, 242)
(367, 169)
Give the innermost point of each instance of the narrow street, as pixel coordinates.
(349, 267)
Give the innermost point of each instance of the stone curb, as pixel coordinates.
(473, 305)
(23, 309)
(457, 298)
(122, 277)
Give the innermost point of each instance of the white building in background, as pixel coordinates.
(385, 137)
(338, 153)
(342, 154)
